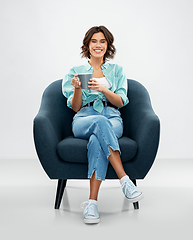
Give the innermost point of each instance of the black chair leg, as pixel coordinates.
(135, 204)
(60, 190)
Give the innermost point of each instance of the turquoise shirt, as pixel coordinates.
(114, 75)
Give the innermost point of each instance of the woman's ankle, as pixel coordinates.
(93, 201)
(123, 179)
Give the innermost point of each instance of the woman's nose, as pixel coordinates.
(98, 44)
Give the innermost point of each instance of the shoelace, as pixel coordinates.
(89, 208)
(127, 185)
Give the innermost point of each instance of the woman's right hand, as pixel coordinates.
(76, 101)
(75, 81)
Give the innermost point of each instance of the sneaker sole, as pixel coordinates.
(136, 199)
(91, 221)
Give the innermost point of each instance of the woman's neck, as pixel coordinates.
(96, 63)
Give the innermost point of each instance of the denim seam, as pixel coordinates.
(102, 134)
(96, 165)
(96, 177)
(95, 168)
(108, 144)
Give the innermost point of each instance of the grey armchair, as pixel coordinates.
(55, 143)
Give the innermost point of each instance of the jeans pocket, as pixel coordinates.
(79, 113)
(116, 111)
(82, 110)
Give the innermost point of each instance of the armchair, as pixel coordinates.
(55, 143)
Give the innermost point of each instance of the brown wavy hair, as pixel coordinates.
(110, 53)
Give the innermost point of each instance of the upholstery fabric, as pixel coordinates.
(74, 145)
(54, 139)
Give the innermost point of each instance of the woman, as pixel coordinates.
(98, 118)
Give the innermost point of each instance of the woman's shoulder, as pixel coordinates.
(81, 68)
(86, 67)
(114, 66)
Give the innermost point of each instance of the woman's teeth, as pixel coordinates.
(98, 51)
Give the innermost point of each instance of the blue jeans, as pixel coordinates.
(102, 130)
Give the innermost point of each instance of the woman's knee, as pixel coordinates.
(102, 121)
(93, 139)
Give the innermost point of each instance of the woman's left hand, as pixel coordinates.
(112, 97)
(95, 85)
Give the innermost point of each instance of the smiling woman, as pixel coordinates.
(106, 37)
(98, 45)
(98, 119)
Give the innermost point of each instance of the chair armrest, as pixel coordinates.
(46, 140)
(143, 126)
(145, 130)
(51, 125)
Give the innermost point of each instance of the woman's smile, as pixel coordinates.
(98, 45)
(98, 50)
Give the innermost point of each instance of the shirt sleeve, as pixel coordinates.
(122, 85)
(67, 88)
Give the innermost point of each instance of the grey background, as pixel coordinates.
(41, 40)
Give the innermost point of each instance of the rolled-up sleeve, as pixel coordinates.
(121, 85)
(67, 88)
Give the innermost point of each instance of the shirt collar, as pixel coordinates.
(88, 66)
(105, 65)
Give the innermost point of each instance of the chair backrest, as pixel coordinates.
(138, 99)
(54, 103)
(54, 99)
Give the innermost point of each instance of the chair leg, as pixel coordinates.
(60, 190)
(136, 204)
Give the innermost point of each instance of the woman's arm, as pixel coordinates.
(76, 101)
(112, 97)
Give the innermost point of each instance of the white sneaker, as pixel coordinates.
(90, 213)
(131, 192)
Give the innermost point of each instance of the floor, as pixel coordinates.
(27, 199)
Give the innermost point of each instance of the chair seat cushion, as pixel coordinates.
(74, 150)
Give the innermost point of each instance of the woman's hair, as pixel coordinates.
(108, 36)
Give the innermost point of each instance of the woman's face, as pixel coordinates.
(98, 45)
